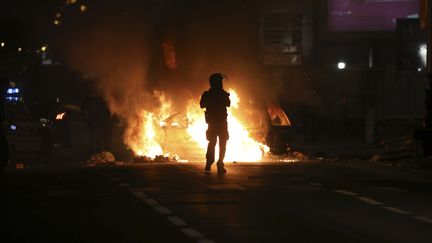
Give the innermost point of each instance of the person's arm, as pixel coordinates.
(203, 101)
(227, 100)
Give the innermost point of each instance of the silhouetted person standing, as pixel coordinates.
(215, 101)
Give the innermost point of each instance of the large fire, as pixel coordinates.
(148, 136)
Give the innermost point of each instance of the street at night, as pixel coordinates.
(254, 202)
(216, 121)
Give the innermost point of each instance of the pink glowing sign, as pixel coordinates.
(369, 15)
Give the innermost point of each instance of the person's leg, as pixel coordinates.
(223, 138)
(212, 138)
(222, 149)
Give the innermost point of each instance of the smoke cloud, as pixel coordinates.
(132, 48)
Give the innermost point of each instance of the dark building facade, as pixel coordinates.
(367, 71)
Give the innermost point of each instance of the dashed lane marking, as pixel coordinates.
(348, 193)
(191, 232)
(138, 194)
(176, 221)
(397, 210)
(162, 210)
(423, 219)
(150, 202)
(369, 201)
(391, 209)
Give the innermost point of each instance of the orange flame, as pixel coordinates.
(60, 116)
(240, 146)
(144, 137)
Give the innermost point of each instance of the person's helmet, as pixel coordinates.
(215, 80)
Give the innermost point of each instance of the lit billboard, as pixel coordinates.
(369, 15)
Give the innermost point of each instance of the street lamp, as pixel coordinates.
(2, 44)
(83, 8)
(422, 51)
(341, 65)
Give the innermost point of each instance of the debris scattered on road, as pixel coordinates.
(299, 156)
(375, 158)
(157, 159)
(103, 157)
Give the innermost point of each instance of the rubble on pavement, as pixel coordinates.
(157, 159)
(103, 157)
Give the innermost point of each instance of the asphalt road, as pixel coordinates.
(254, 202)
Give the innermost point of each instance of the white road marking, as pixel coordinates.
(162, 210)
(191, 232)
(138, 194)
(124, 185)
(176, 221)
(397, 210)
(424, 219)
(150, 202)
(348, 193)
(369, 201)
(316, 184)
